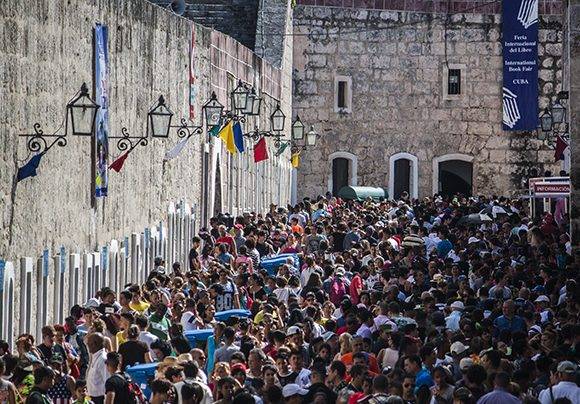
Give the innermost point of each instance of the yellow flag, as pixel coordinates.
(295, 160)
(227, 135)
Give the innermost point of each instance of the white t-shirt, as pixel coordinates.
(188, 321)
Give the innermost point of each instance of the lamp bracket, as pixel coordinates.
(186, 131)
(127, 142)
(39, 142)
(297, 148)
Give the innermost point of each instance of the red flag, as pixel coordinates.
(561, 146)
(118, 163)
(260, 151)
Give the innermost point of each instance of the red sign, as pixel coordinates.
(552, 188)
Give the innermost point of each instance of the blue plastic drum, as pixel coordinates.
(141, 374)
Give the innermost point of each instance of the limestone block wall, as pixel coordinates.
(396, 53)
(45, 55)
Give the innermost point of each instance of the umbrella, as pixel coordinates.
(475, 218)
(494, 211)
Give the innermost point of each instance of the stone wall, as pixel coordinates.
(46, 54)
(396, 56)
(574, 39)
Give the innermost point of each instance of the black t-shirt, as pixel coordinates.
(338, 241)
(289, 378)
(263, 249)
(118, 385)
(48, 351)
(193, 255)
(132, 352)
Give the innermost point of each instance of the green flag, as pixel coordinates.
(216, 129)
(281, 149)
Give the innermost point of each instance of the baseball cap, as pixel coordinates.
(542, 298)
(339, 272)
(567, 367)
(328, 335)
(292, 389)
(465, 364)
(457, 305)
(238, 367)
(458, 347)
(292, 331)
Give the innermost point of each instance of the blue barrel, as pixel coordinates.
(225, 315)
(197, 335)
(271, 264)
(141, 374)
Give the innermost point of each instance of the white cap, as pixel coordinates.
(457, 348)
(292, 330)
(542, 298)
(292, 389)
(93, 302)
(457, 305)
(472, 240)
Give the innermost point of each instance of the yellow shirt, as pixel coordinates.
(120, 339)
(141, 307)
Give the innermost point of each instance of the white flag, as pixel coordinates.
(171, 154)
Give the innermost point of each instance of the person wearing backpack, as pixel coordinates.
(338, 287)
(117, 387)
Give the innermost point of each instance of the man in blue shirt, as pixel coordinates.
(509, 320)
(444, 246)
(500, 394)
(413, 366)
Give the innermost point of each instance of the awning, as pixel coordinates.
(362, 193)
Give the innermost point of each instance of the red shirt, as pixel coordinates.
(230, 241)
(356, 285)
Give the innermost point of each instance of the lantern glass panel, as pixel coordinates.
(160, 119)
(297, 129)
(249, 104)
(558, 112)
(240, 97)
(213, 111)
(546, 122)
(83, 112)
(256, 103)
(278, 119)
(311, 137)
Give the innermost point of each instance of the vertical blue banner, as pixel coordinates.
(102, 120)
(126, 245)
(45, 263)
(104, 258)
(520, 64)
(2, 268)
(62, 256)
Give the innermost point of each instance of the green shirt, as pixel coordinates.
(159, 326)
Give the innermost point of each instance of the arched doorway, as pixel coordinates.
(403, 175)
(453, 174)
(339, 174)
(343, 171)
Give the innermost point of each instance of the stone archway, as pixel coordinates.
(453, 173)
(403, 175)
(342, 164)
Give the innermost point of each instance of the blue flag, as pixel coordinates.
(29, 169)
(239, 137)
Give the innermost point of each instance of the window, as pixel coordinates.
(342, 94)
(454, 84)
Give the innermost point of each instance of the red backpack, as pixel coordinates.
(337, 291)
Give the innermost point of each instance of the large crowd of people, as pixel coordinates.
(441, 300)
